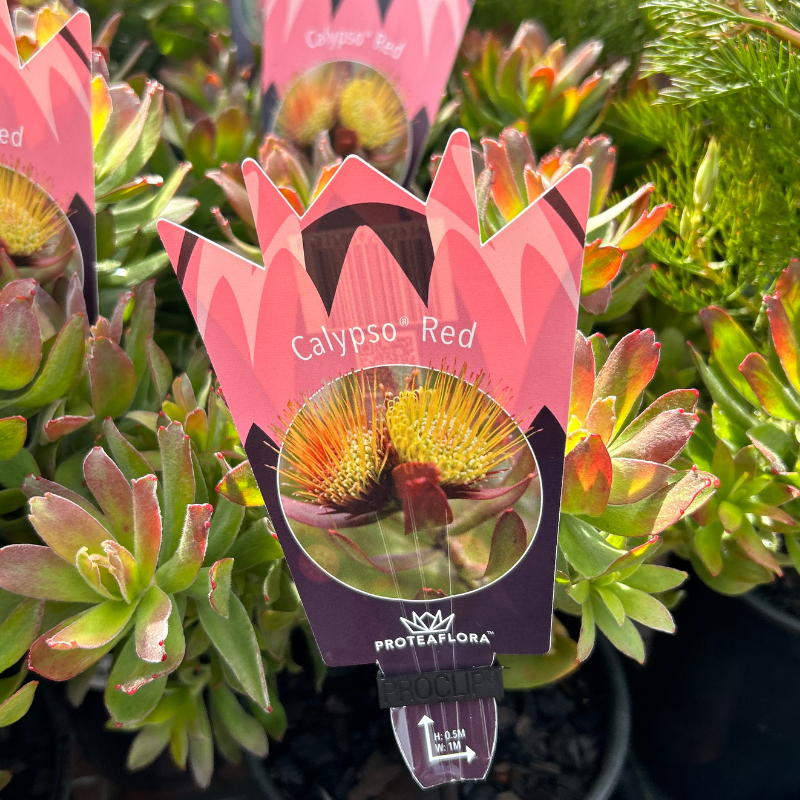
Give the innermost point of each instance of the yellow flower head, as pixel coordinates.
(370, 107)
(335, 448)
(310, 106)
(29, 219)
(453, 424)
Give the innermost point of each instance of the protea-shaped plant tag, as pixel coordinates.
(403, 390)
(362, 77)
(47, 228)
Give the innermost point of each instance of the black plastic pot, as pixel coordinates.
(617, 701)
(35, 750)
(717, 705)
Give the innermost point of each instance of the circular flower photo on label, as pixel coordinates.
(35, 234)
(408, 483)
(344, 108)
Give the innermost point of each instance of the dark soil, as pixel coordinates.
(340, 745)
(34, 751)
(784, 593)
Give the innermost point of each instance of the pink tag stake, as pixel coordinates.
(46, 153)
(403, 389)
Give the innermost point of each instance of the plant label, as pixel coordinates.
(362, 77)
(47, 226)
(403, 389)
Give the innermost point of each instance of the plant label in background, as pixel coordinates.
(403, 389)
(46, 156)
(362, 77)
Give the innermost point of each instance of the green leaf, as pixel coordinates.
(179, 484)
(20, 344)
(624, 637)
(60, 372)
(730, 345)
(653, 578)
(626, 294)
(128, 699)
(219, 577)
(13, 431)
(225, 525)
(160, 369)
(643, 608)
(585, 547)
(67, 527)
(257, 545)
(61, 665)
(179, 572)
(236, 643)
(16, 707)
(774, 398)
(530, 672)
(136, 673)
(509, 542)
(201, 745)
(128, 458)
(35, 571)
(611, 601)
(94, 628)
(142, 324)
(588, 630)
(15, 470)
(239, 486)
(112, 377)
(18, 631)
(244, 728)
(146, 525)
(152, 625)
(148, 745)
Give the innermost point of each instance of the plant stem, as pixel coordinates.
(454, 551)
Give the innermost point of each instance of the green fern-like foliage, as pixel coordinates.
(734, 75)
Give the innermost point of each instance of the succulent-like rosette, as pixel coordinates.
(510, 178)
(532, 82)
(427, 481)
(748, 534)
(354, 108)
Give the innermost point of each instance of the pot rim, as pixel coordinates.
(773, 614)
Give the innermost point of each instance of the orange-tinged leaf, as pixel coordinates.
(625, 375)
(101, 107)
(20, 344)
(643, 227)
(784, 338)
(587, 478)
(180, 571)
(774, 398)
(601, 418)
(240, 487)
(293, 198)
(582, 378)
(505, 191)
(788, 291)
(601, 264)
(635, 479)
(661, 439)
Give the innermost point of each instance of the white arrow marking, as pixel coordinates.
(427, 723)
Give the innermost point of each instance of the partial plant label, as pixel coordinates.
(361, 77)
(403, 389)
(46, 156)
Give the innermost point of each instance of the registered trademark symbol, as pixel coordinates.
(403, 322)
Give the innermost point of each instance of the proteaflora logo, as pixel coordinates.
(429, 630)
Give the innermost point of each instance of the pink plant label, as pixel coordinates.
(46, 154)
(362, 77)
(403, 389)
